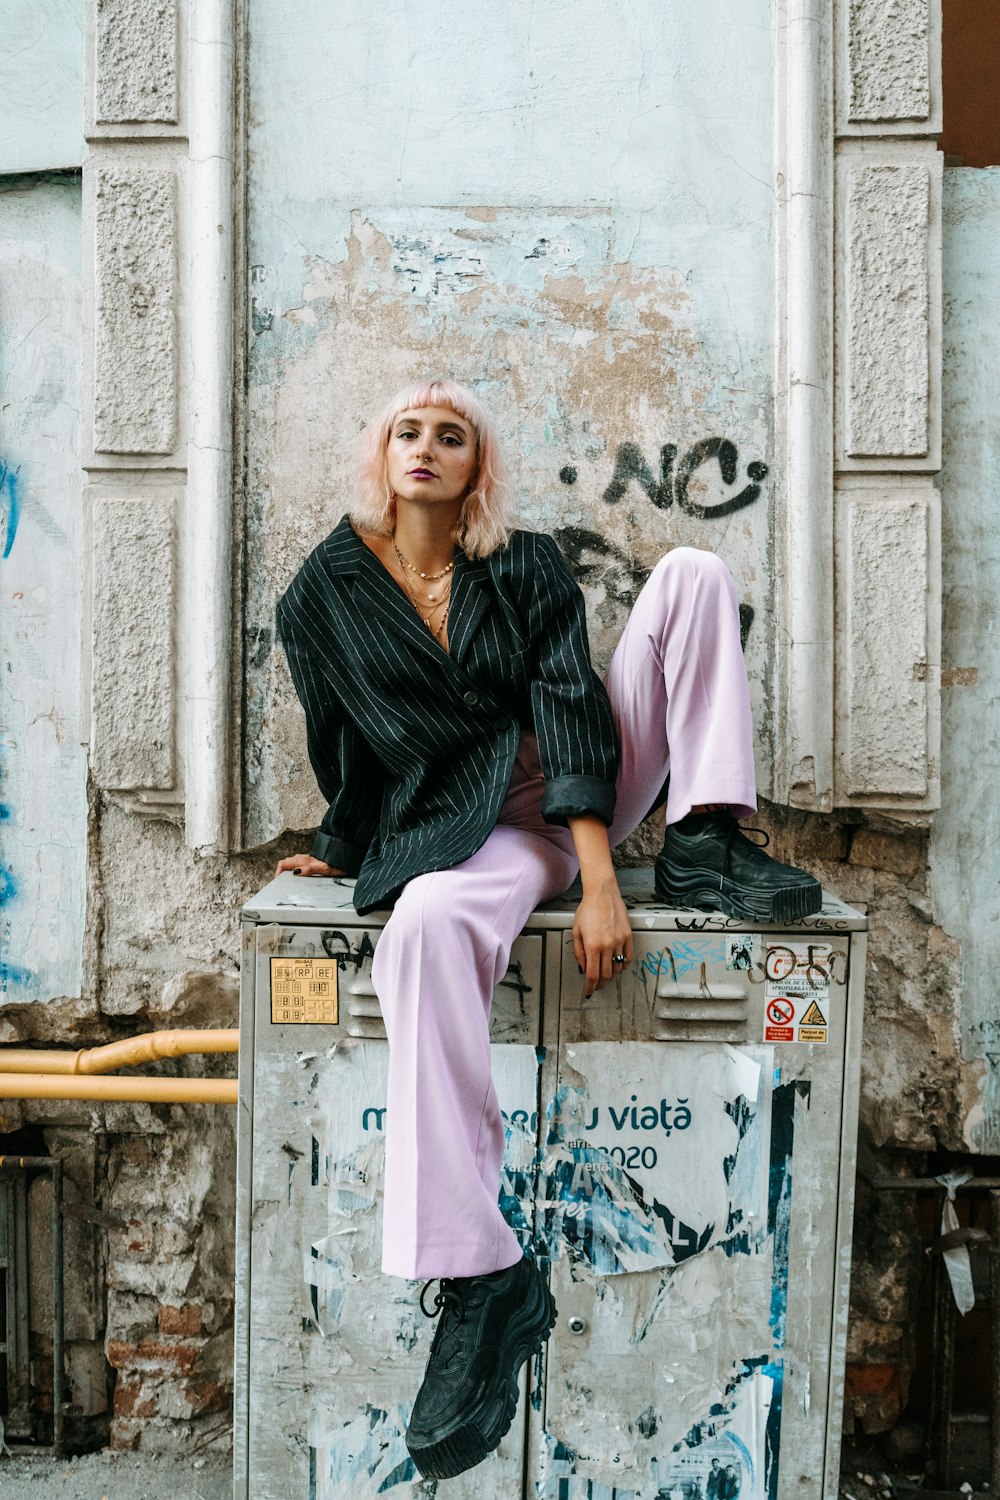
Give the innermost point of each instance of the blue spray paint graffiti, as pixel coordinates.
(10, 501)
(10, 974)
(680, 958)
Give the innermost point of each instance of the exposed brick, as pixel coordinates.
(873, 1397)
(959, 676)
(130, 1400)
(871, 1380)
(886, 851)
(183, 1321)
(152, 1354)
(209, 1396)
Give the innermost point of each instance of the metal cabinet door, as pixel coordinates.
(688, 1199)
(333, 1350)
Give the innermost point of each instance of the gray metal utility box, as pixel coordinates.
(680, 1154)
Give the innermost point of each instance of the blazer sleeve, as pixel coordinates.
(349, 774)
(577, 739)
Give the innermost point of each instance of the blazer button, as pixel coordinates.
(471, 697)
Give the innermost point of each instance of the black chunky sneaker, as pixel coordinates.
(489, 1326)
(708, 862)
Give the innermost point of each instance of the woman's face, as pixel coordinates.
(432, 455)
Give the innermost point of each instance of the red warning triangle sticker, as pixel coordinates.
(813, 1016)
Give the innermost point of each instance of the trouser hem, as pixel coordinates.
(446, 1258)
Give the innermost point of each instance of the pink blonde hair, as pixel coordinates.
(485, 520)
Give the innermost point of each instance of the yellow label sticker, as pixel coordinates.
(812, 1033)
(304, 991)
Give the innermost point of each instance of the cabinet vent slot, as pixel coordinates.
(364, 1016)
(702, 1009)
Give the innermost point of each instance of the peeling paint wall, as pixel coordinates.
(41, 84)
(569, 207)
(965, 842)
(43, 767)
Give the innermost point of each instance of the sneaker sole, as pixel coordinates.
(481, 1433)
(697, 889)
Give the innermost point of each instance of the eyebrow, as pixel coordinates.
(438, 426)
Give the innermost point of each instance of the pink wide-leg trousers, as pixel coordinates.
(680, 697)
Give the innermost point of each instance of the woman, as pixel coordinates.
(473, 763)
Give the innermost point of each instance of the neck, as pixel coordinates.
(424, 533)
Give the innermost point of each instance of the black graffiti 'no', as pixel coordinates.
(672, 485)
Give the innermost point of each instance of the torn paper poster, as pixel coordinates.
(687, 1357)
(725, 1453)
(646, 1149)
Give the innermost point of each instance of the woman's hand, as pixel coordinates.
(600, 930)
(305, 864)
(602, 927)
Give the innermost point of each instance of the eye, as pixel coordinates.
(407, 432)
(453, 440)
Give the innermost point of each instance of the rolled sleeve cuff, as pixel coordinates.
(568, 797)
(337, 853)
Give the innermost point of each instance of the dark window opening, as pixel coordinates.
(970, 69)
(31, 1337)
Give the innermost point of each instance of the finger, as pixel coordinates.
(593, 974)
(607, 971)
(579, 951)
(623, 949)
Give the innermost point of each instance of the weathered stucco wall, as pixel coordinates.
(965, 843)
(569, 207)
(41, 85)
(43, 767)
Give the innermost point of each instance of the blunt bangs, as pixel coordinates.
(486, 520)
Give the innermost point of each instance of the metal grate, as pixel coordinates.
(22, 1425)
(952, 1415)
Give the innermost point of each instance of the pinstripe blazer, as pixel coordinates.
(412, 745)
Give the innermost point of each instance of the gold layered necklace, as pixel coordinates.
(438, 600)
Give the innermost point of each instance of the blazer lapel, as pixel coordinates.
(470, 598)
(380, 598)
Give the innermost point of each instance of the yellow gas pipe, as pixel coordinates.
(33, 1073)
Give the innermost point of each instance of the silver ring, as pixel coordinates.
(618, 958)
